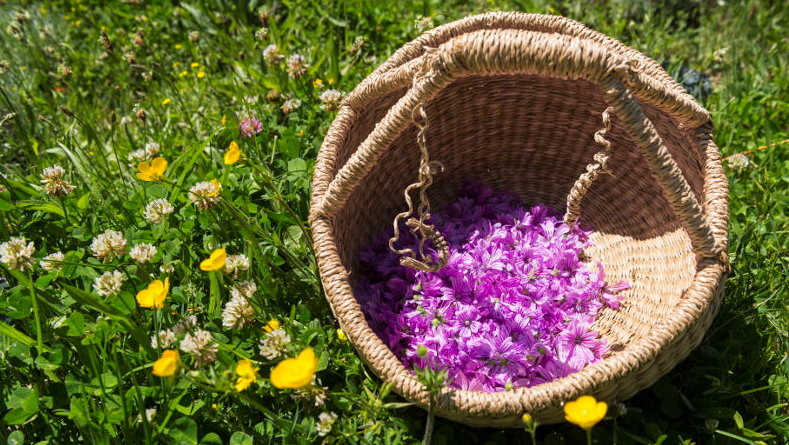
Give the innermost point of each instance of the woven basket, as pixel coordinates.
(518, 101)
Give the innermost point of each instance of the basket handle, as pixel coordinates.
(510, 51)
(426, 231)
(593, 170)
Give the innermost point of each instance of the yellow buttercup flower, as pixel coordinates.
(217, 187)
(341, 335)
(271, 325)
(194, 65)
(317, 84)
(167, 364)
(232, 154)
(182, 73)
(216, 261)
(178, 46)
(247, 375)
(166, 101)
(223, 120)
(295, 372)
(201, 74)
(585, 412)
(155, 294)
(153, 171)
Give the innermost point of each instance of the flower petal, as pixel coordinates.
(145, 298)
(159, 165)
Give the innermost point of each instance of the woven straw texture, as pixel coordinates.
(514, 100)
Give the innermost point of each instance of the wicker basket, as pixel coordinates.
(518, 101)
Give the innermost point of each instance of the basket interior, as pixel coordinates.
(533, 135)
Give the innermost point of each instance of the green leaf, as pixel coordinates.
(191, 409)
(90, 300)
(83, 201)
(184, 431)
(297, 165)
(76, 325)
(16, 438)
(211, 439)
(44, 207)
(738, 420)
(24, 405)
(5, 205)
(239, 438)
(12, 333)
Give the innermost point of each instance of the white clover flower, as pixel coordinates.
(144, 154)
(125, 120)
(422, 24)
(297, 66)
(274, 344)
(311, 393)
(325, 422)
(205, 194)
(108, 245)
(50, 262)
(272, 56)
(16, 254)
(187, 324)
(237, 312)
(235, 263)
(54, 184)
(331, 100)
(157, 210)
(164, 340)
(150, 414)
(143, 252)
(291, 105)
(109, 283)
(151, 149)
(739, 161)
(138, 156)
(357, 45)
(261, 34)
(200, 345)
(244, 289)
(167, 268)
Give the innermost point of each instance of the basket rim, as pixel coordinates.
(460, 404)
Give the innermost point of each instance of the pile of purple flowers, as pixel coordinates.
(513, 307)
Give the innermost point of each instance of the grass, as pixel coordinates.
(77, 365)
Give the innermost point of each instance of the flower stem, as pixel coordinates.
(431, 419)
(36, 315)
(65, 212)
(589, 436)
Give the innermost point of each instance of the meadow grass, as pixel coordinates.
(84, 85)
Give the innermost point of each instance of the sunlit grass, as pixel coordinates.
(91, 88)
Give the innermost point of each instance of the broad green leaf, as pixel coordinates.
(16, 438)
(24, 405)
(211, 439)
(183, 431)
(239, 438)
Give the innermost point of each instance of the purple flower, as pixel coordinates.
(512, 306)
(468, 321)
(250, 126)
(576, 345)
